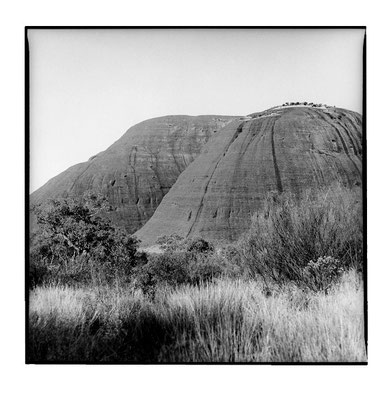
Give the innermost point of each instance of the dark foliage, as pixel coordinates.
(199, 245)
(185, 261)
(74, 244)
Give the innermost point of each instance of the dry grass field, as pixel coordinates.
(227, 321)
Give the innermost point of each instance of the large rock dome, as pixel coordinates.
(287, 148)
(138, 169)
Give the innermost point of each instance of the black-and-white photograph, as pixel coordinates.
(196, 195)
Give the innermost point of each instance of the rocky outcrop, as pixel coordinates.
(281, 149)
(139, 169)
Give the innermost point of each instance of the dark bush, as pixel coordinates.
(199, 245)
(74, 244)
(185, 261)
(174, 242)
(167, 269)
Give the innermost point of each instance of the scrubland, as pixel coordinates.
(289, 290)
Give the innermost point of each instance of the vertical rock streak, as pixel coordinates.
(351, 140)
(346, 149)
(276, 170)
(199, 210)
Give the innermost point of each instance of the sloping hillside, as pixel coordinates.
(281, 149)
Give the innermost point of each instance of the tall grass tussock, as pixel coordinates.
(227, 321)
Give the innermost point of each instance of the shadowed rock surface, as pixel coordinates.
(281, 149)
(138, 169)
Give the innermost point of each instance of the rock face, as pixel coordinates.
(140, 168)
(281, 149)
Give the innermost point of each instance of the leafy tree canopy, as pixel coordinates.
(75, 228)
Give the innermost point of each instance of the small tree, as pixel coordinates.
(73, 231)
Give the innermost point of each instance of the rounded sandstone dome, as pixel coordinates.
(138, 169)
(284, 149)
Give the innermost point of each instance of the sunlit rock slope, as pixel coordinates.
(139, 169)
(281, 149)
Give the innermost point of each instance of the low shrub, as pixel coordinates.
(321, 274)
(166, 269)
(206, 268)
(173, 242)
(199, 245)
(184, 261)
(304, 240)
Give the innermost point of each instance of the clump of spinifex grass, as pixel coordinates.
(227, 321)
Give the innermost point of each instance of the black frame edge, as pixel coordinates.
(27, 183)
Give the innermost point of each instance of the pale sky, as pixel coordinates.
(87, 87)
